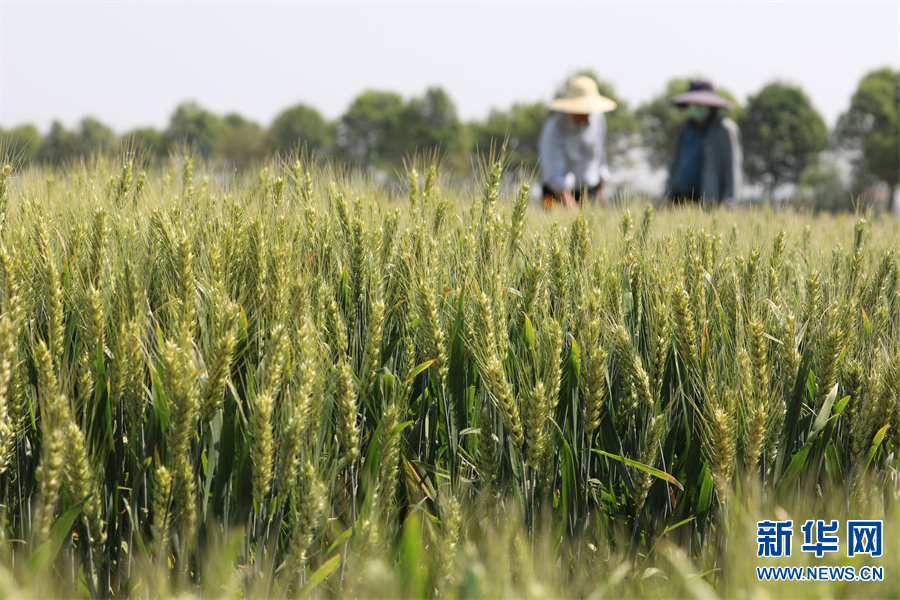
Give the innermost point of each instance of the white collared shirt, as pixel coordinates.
(573, 155)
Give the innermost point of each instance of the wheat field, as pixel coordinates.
(298, 383)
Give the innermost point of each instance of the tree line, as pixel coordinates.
(783, 135)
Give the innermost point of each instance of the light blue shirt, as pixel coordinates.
(572, 155)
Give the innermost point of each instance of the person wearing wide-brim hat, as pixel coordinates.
(706, 163)
(572, 147)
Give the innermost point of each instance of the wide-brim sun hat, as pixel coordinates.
(701, 93)
(582, 98)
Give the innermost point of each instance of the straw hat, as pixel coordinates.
(701, 93)
(582, 98)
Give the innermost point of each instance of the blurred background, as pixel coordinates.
(816, 85)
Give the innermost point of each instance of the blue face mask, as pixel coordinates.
(699, 113)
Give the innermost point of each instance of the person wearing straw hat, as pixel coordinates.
(572, 146)
(706, 163)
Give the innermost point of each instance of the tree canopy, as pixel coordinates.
(783, 135)
(197, 128)
(872, 127)
(300, 126)
(243, 142)
(429, 123)
(520, 127)
(94, 137)
(381, 130)
(22, 142)
(367, 133)
(58, 146)
(148, 142)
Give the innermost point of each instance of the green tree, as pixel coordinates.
(429, 123)
(521, 126)
(823, 186)
(94, 137)
(659, 120)
(197, 128)
(871, 126)
(367, 134)
(22, 143)
(622, 125)
(243, 143)
(147, 142)
(58, 146)
(783, 135)
(300, 125)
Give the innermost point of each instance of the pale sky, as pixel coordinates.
(129, 64)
